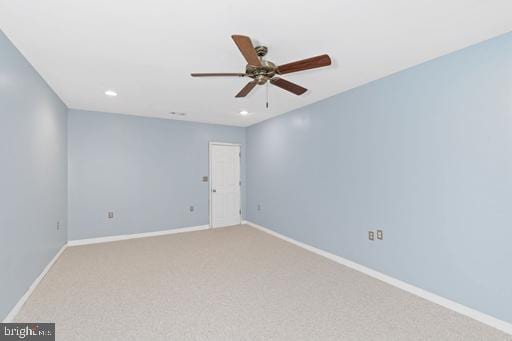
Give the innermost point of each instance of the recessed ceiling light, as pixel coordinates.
(244, 112)
(111, 93)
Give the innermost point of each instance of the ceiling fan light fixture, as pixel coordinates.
(262, 71)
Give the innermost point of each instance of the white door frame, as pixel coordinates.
(210, 144)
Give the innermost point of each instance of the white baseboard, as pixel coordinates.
(457, 307)
(135, 235)
(14, 311)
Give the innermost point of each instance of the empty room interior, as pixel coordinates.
(232, 170)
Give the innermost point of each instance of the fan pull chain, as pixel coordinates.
(267, 95)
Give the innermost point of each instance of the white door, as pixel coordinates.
(224, 185)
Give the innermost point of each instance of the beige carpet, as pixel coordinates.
(235, 283)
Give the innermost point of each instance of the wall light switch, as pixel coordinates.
(191, 208)
(205, 179)
(259, 207)
(110, 215)
(371, 235)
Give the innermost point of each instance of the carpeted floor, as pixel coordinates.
(234, 283)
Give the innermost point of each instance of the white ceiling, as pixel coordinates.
(145, 50)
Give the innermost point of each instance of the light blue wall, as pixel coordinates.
(33, 174)
(425, 154)
(148, 171)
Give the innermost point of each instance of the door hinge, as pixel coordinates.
(239, 183)
(240, 154)
(240, 211)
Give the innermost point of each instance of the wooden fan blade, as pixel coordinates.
(288, 86)
(245, 46)
(217, 74)
(246, 89)
(305, 64)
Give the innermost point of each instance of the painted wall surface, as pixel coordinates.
(425, 154)
(33, 175)
(147, 171)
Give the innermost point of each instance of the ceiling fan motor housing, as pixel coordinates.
(261, 73)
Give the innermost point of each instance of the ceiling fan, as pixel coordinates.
(263, 71)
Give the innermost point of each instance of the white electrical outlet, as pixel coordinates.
(380, 234)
